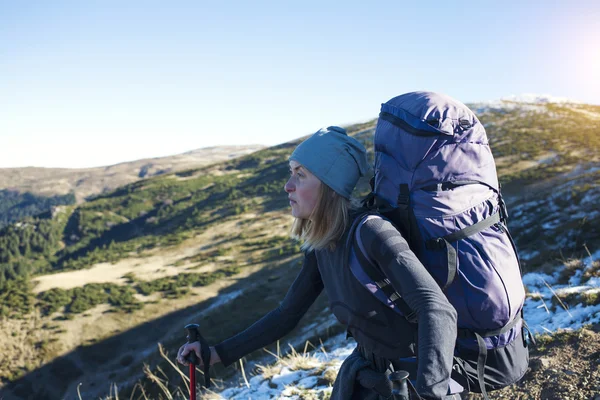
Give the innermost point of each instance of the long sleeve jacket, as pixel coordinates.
(373, 325)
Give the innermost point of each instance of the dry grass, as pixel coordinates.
(591, 272)
(306, 394)
(25, 344)
(158, 263)
(60, 337)
(100, 323)
(571, 267)
(154, 264)
(167, 390)
(293, 360)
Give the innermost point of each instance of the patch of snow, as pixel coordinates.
(573, 289)
(284, 385)
(308, 383)
(580, 170)
(220, 300)
(555, 223)
(537, 279)
(287, 376)
(528, 255)
(590, 259)
(594, 282)
(542, 316)
(576, 278)
(525, 103)
(505, 106)
(539, 99)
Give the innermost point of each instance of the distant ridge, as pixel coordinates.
(525, 102)
(539, 98)
(85, 182)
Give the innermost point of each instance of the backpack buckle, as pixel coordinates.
(403, 196)
(435, 244)
(503, 209)
(403, 200)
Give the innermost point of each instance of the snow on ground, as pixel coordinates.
(558, 209)
(538, 98)
(540, 314)
(291, 383)
(527, 102)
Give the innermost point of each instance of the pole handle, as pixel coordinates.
(195, 336)
(399, 385)
(192, 336)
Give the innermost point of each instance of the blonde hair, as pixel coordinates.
(326, 225)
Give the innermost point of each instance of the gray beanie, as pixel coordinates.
(337, 159)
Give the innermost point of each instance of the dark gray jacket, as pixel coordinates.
(374, 326)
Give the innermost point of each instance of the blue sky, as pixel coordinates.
(90, 83)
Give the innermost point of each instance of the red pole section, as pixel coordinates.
(192, 382)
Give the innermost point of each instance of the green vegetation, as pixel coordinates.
(16, 298)
(30, 246)
(15, 206)
(81, 299)
(562, 133)
(78, 300)
(158, 212)
(161, 211)
(167, 210)
(172, 285)
(561, 219)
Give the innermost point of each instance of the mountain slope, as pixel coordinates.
(157, 251)
(29, 191)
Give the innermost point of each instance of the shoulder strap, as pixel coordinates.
(373, 271)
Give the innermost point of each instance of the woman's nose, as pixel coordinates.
(289, 186)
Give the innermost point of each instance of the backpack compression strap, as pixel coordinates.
(445, 243)
(482, 357)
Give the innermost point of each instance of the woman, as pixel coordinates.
(324, 171)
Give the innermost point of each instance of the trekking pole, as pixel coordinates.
(399, 385)
(195, 336)
(192, 337)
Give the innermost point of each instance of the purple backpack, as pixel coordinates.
(435, 179)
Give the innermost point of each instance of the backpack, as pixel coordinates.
(435, 180)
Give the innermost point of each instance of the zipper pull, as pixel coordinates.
(499, 227)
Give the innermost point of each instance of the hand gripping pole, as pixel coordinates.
(193, 335)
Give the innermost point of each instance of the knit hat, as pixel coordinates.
(337, 159)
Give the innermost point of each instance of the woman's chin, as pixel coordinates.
(296, 214)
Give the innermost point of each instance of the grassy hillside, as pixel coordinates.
(15, 206)
(548, 161)
(232, 216)
(31, 191)
(135, 264)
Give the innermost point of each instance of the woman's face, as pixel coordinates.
(303, 190)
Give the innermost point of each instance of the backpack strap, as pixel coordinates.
(482, 347)
(374, 272)
(400, 215)
(445, 243)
